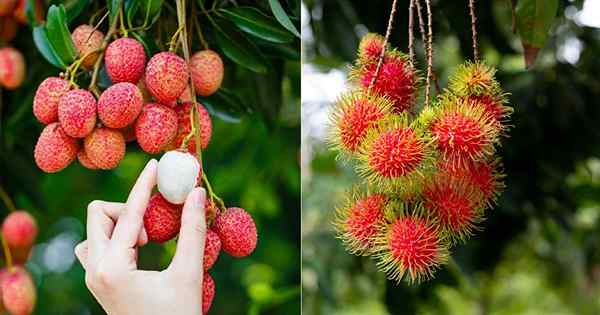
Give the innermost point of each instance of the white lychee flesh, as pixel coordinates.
(177, 175)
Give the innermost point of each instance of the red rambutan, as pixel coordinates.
(370, 48)
(485, 176)
(474, 79)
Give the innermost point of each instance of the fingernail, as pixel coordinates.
(150, 164)
(200, 195)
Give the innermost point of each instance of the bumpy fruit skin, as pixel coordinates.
(8, 28)
(7, 6)
(19, 229)
(12, 68)
(85, 161)
(120, 104)
(77, 112)
(45, 102)
(124, 60)
(55, 150)
(237, 231)
(87, 40)
(208, 292)
(206, 68)
(18, 291)
(166, 76)
(359, 221)
(184, 127)
(155, 127)
(105, 148)
(162, 219)
(212, 248)
(177, 175)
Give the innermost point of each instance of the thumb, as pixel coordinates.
(189, 254)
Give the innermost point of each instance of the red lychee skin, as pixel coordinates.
(12, 68)
(414, 244)
(162, 219)
(85, 161)
(237, 231)
(45, 102)
(396, 80)
(7, 6)
(206, 68)
(457, 136)
(105, 148)
(120, 104)
(125, 60)
(8, 28)
(356, 121)
(77, 112)
(364, 219)
(55, 150)
(166, 76)
(19, 229)
(208, 292)
(184, 127)
(155, 127)
(212, 248)
(18, 291)
(211, 209)
(87, 40)
(396, 153)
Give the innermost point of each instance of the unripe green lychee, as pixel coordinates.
(184, 127)
(55, 150)
(166, 76)
(119, 105)
(87, 40)
(155, 127)
(85, 161)
(162, 219)
(12, 68)
(77, 112)
(237, 231)
(20, 230)
(105, 147)
(177, 175)
(125, 60)
(212, 248)
(206, 68)
(18, 291)
(45, 102)
(208, 292)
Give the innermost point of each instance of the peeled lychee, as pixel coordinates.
(177, 175)
(45, 102)
(155, 127)
(184, 127)
(206, 68)
(105, 147)
(87, 40)
(18, 291)
(12, 68)
(19, 229)
(125, 60)
(237, 231)
(162, 219)
(77, 112)
(55, 150)
(166, 76)
(120, 104)
(85, 161)
(212, 248)
(208, 292)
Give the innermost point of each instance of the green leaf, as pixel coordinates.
(226, 105)
(40, 38)
(30, 10)
(147, 11)
(534, 20)
(288, 51)
(113, 8)
(74, 8)
(254, 22)
(239, 49)
(149, 44)
(59, 35)
(282, 17)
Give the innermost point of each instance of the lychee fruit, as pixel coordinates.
(19, 12)
(370, 48)
(47, 96)
(88, 41)
(105, 147)
(55, 150)
(77, 112)
(206, 68)
(85, 161)
(12, 68)
(162, 219)
(212, 248)
(119, 105)
(8, 28)
(359, 221)
(211, 209)
(184, 127)
(166, 76)
(7, 6)
(155, 127)
(237, 231)
(177, 175)
(18, 291)
(125, 60)
(19, 229)
(208, 292)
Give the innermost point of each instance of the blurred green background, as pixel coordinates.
(539, 251)
(252, 162)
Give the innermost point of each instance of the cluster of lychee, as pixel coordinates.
(430, 172)
(17, 290)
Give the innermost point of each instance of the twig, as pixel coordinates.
(196, 25)
(385, 42)
(411, 35)
(92, 87)
(7, 254)
(474, 29)
(425, 44)
(7, 201)
(429, 52)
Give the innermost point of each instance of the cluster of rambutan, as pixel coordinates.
(430, 172)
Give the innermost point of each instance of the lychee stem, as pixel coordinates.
(385, 42)
(122, 22)
(7, 200)
(92, 87)
(7, 254)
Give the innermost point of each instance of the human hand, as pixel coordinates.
(109, 255)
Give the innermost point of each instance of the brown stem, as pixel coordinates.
(411, 35)
(429, 52)
(7, 254)
(6, 200)
(474, 29)
(105, 42)
(385, 42)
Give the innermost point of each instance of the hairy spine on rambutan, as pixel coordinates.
(411, 246)
(358, 221)
(352, 116)
(486, 176)
(397, 156)
(370, 48)
(474, 79)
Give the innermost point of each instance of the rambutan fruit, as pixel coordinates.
(474, 79)
(370, 48)
(410, 247)
(354, 113)
(486, 176)
(494, 106)
(359, 220)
